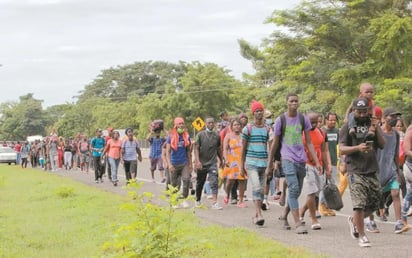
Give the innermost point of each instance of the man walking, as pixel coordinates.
(97, 144)
(288, 138)
(362, 166)
(255, 139)
(207, 149)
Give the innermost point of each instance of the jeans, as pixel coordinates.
(294, 174)
(406, 203)
(201, 179)
(114, 166)
(181, 173)
(257, 178)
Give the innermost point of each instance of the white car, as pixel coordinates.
(7, 155)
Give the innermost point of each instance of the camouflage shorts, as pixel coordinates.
(365, 191)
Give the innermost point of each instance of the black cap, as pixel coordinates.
(360, 103)
(391, 112)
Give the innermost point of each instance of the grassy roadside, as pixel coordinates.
(44, 215)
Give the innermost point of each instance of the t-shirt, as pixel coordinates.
(385, 156)
(130, 152)
(156, 147)
(97, 144)
(115, 147)
(257, 138)
(317, 138)
(209, 143)
(178, 157)
(333, 139)
(292, 145)
(358, 162)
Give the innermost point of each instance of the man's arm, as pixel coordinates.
(407, 144)
(198, 164)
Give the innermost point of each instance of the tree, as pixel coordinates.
(22, 119)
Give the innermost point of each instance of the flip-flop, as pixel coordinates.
(258, 221)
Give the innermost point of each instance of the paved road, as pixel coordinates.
(333, 240)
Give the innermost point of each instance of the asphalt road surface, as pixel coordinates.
(333, 240)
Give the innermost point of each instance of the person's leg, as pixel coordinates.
(257, 191)
(133, 169)
(200, 182)
(127, 173)
(214, 181)
(242, 186)
(294, 173)
(153, 163)
(233, 191)
(161, 169)
(96, 168)
(186, 179)
(228, 189)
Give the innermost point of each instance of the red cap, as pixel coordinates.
(378, 112)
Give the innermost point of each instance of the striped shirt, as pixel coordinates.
(257, 138)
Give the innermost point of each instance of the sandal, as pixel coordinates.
(258, 221)
(225, 200)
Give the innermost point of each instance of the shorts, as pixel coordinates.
(393, 185)
(313, 181)
(156, 162)
(365, 191)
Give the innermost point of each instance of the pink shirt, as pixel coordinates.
(114, 148)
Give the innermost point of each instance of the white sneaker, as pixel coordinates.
(265, 205)
(185, 204)
(210, 197)
(198, 204)
(216, 206)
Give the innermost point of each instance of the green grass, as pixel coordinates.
(44, 215)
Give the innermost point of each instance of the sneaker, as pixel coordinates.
(400, 227)
(242, 205)
(364, 242)
(216, 206)
(163, 181)
(353, 230)
(209, 197)
(371, 226)
(96, 181)
(301, 229)
(265, 205)
(316, 226)
(185, 204)
(233, 201)
(198, 204)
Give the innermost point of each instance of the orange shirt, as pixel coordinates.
(317, 138)
(114, 148)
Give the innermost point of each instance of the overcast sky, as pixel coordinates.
(53, 48)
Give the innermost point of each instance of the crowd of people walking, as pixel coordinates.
(280, 159)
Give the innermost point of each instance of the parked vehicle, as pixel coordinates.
(7, 155)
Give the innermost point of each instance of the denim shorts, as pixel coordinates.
(257, 178)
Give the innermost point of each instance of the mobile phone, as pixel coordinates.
(369, 143)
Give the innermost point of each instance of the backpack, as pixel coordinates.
(282, 131)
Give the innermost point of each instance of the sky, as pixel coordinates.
(54, 48)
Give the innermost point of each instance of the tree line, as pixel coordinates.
(322, 50)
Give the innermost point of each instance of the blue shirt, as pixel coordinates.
(97, 144)
(156, 147)
(178, 157)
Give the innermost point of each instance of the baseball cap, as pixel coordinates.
(391, 112)
(360, 103)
